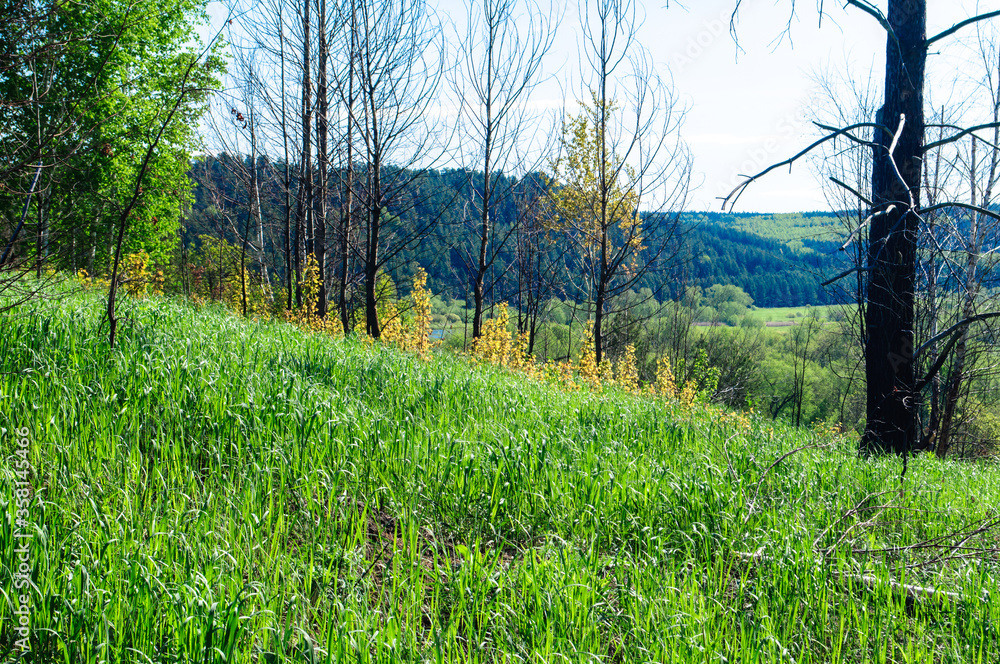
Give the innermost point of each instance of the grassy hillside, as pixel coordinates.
(799, 231)
(216, 490)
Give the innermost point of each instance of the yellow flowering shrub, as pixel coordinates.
(497, 346)
(136, 276)
(307, 316)
(698, 388)
(411, 332)
(419, 331)
(626, 371)
(92, 282)
(589, 371)
(494, 345)
(665, 384)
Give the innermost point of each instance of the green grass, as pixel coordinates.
(791, 314)
(790, 228)
(217, 490)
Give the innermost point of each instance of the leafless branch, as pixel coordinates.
(961, 24)
(734, 195)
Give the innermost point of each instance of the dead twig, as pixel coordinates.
(775, 463)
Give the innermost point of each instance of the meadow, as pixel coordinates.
(792, 314)
(221, 490)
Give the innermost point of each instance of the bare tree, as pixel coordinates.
(899, 148)
(397, 68)
(346, 230)
(624, 172)
(957, 243)
(501, 64)
(845, 166)
(539, 260)
(323, 156)
(304, 205)
(240, 137)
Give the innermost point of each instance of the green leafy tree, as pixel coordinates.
(87, 103)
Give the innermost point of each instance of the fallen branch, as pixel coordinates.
(908, 592)
(763, 476)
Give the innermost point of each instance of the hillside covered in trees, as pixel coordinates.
(778, 259)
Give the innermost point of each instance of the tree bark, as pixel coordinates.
(322, 130)
(892, 248)
(347, 214)
(303, 242)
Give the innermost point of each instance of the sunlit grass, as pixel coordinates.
(217, 490)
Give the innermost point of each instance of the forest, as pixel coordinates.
(774, 265)
(324, 338)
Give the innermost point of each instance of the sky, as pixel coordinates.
(750, 105)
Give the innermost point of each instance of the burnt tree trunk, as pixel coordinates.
(322, 131)
(372, 326)
(303, 246)
(478, 285)
(347, 213)
(892, 248)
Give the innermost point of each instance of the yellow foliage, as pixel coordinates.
(606, 372)
(495, 346)
(686, 393)
(520, 358)
(92, 282)
(578, 199)
(136, 277)
(665, 384)
(420, 331)
(590, 373)
(626, 371)
(412, 335)
(307, 316)
(742, 423)
(560, 373)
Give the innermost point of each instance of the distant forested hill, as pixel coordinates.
(809, 231)
(779, 259)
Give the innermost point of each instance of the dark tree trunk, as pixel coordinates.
(374, 211)
(484, 235)
(481, 265)
(889, 317)
(345, 241)
(599, 325)
(287, 234)
(303, 246)
(371, 276)
(347, 214)
(322, 131)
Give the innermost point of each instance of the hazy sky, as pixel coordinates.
(748, 108)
